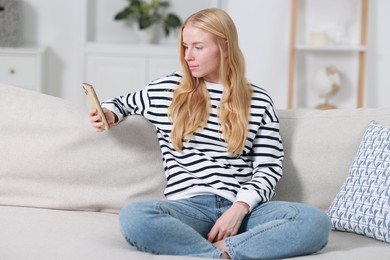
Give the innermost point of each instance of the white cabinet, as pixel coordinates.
(116, 69)
(22, 67)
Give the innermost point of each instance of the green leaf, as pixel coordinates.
(148, 13)
(172, 20)
(164, 4)
(124, 14)
(144, 22)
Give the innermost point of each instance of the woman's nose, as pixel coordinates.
(187, 55)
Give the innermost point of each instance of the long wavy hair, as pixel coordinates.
(190, 107)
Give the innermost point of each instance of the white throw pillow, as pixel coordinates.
(362, 205)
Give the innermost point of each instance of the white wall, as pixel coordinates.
(378, 64)
(55, 24)
(263, 27)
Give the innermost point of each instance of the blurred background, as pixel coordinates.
(53, 46)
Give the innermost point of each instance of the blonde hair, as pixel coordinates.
(190, 106)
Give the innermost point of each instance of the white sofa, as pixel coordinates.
(62, 184)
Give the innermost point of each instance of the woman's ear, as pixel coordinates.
(225, 49)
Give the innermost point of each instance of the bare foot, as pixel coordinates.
(221, 245)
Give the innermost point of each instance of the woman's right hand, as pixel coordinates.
(96, 119)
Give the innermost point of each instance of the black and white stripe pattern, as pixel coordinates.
(204, 166)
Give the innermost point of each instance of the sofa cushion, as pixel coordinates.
(28, 233)
(363, 204)
(319, 149)
(51, 157)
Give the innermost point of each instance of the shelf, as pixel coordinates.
(331, 48)
(24, 50)
(98, 24)
(325, 53)
(133, 49)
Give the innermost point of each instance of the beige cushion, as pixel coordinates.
(43, 234)
(52, 158)
(28, 233)
(319, 149)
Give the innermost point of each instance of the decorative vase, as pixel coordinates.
(9, 23)
(150, 35)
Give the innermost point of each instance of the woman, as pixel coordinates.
(222, 153)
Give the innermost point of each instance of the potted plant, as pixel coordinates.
(148, 13)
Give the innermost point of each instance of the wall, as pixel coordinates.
(263, 27)
(378, 63)
(56, 25)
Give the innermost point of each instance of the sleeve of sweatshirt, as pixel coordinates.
(267, 156)
(136, 103)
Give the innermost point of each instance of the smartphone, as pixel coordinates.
(95, 103)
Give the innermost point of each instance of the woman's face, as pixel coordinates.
(201, 54)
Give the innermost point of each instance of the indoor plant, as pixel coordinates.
(148, 13)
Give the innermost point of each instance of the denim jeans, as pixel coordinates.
(272, 230)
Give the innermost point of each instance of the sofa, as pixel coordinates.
(62, 184)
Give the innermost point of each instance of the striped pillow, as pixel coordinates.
(362, 205)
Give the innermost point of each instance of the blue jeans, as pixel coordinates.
(271, 230)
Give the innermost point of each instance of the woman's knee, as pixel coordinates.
(133, 218)
(315, 225)
(317, 218)
(132, 211)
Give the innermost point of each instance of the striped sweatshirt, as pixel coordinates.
(204, 166)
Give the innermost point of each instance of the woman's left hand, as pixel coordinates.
(229, 223)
